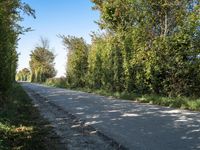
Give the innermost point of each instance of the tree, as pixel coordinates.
(10, 16)
(156, 43)
(77, 56)
(23, 75)
(42, 62)
(147, 46)
(105, 64)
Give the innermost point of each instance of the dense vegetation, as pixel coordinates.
(147, 51)
(147, 47)
(10, 11)
(77, 61)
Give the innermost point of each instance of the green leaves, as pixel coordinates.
(23, 75)
(147, 46)
(10, 16)
(42, 62)
(77, 64)
(154, 47)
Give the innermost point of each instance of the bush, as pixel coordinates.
(57, 82)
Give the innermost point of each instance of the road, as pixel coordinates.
(133, 125)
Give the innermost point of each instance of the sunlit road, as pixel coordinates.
(135, 126)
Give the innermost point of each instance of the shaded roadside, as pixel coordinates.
(22, 127)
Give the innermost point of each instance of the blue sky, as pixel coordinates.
(53, 17)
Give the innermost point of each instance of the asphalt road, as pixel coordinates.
(135, 126)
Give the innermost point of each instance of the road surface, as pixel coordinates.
(134, 126)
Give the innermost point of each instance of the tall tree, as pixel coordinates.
(77, 56)
(42, 62)
(10, 15)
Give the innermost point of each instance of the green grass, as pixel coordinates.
(21, 127)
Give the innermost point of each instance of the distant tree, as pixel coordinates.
(23, 75)
(42, 62)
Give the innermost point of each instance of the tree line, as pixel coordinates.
(147, 47)
(10, 16)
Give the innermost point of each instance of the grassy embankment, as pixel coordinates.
(174, 102)
(21, 127)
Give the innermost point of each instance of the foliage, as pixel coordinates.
(57, 82)
(42, 62)
(105, 68)
(10, 15)
(150, 47)
(149, 52)
(147, 47)
(77, 60)
(23, 75)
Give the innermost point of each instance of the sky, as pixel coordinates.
(53, 17)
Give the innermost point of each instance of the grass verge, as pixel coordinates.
(21, 127)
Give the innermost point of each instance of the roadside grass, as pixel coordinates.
(21, 127)
(174, 102)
